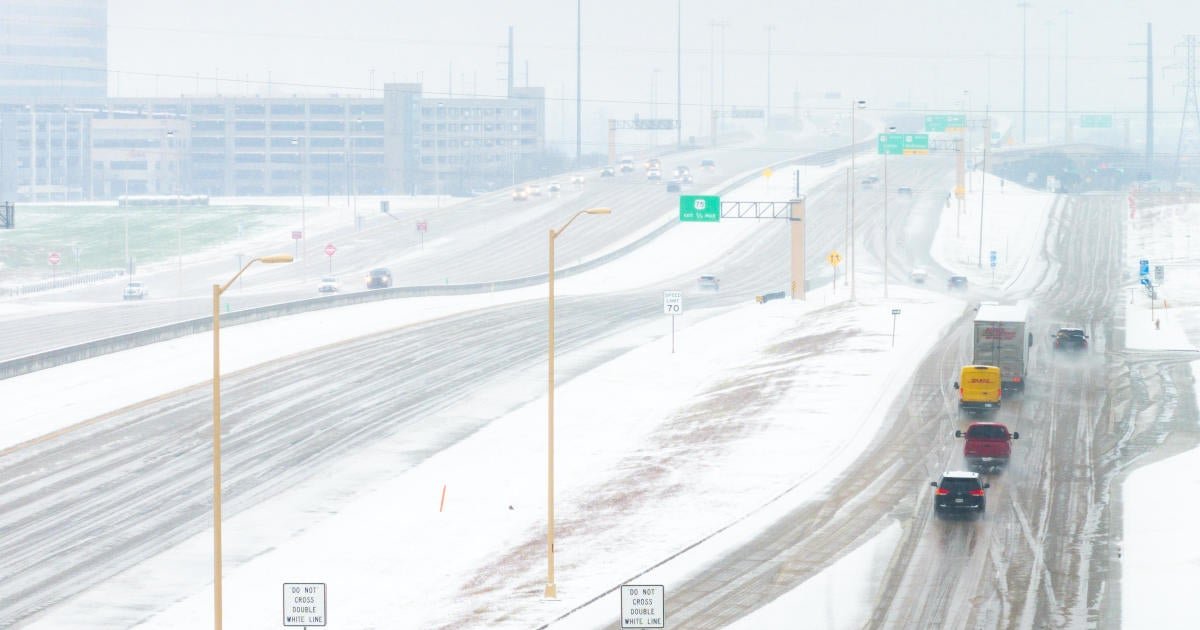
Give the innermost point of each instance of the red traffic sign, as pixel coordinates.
(330, 249)
(54, 258)
(422, 226)
(296, 234)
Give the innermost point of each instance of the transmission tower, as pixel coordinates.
(1190, 106)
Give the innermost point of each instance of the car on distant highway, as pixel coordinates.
(520, 194)
(708, 282)
(135, 291)
(1070, 339)
(553, 187)
(329, 284)
(379, 278)
(957, 283)
(534, 189)
(708, 164)
(870, 180)
(959, 492)
(577, 179)
(608, 171)
(627, 165)
(919, 275)
(904, 190)
(681, 170)
(654, 174)
(674, 185)
(653, 163)
(686, 178)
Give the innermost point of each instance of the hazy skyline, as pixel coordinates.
(925, 52)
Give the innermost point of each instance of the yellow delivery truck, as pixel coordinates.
(979, 388)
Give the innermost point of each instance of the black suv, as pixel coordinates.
(957, 282)
(379, 278)
(959, 492)
(1070, 339)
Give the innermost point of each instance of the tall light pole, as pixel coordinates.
(770, 27)
(1024, 50)
(303, 156)
(678, 73)
(885, 220)
(854, 105)
(551, 587)
(218, 289)
(437, 169)
(354, 168)
(654, 103)
(1066, 75)
(578, 83)
(178, 220)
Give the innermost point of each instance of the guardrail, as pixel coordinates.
(61, 281)
(127, 341)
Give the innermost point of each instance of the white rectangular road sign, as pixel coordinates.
(642, 606)
(304, 604)
(672, 302)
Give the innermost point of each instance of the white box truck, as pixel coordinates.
(1003, 339)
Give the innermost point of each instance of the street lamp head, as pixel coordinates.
(860, 104)
(599, 211)
(276, 258)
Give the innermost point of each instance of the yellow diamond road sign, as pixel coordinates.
(834, 258)
(767, 172)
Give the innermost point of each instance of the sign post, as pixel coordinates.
(895, 314)
(330, 250)
(422, 228)
(296, 236)
(672, 305)
(54, 259)
(700, 208)
(992, 262)
(834, 259)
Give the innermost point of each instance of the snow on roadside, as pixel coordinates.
(1014, 226)
(1159, 561)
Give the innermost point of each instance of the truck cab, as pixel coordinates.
(987, 446)
(979, 388)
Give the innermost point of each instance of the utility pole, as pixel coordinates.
(1149, 100)
(987, 134)
(1024, 69)
(1066, 76)
(1049, 46)
(1190, 105)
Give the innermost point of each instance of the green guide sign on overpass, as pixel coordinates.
(903, 143)
(699, 208)
(945, 122)
(1096, 121)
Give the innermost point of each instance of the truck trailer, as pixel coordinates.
(1002, 339)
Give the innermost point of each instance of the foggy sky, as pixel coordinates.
(922, 51)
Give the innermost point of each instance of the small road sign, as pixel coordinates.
(643, 606)
(767, 172)
(672, 302)
(992, 257)
(945, 122)
(422, 226)
(701, 208)
(1143, 267)
(297, 235)
(834, 258)
(895, 311)
(1096, 121)
(304, 604)
(330, 250)
(54, 258)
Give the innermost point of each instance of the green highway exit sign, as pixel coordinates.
(699, 208)
(1096, 121)
(903, 143)
(945, 122)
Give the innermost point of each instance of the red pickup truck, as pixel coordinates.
(988, 445)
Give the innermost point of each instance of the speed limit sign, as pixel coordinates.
(672, 302)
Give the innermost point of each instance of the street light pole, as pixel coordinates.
(859, 104)
(1024, 58)
(216, 411)
(551, 587)
(178, 222)
(885, 220)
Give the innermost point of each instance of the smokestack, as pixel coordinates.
(510, 61)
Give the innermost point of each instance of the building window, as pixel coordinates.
(250, 142)
(287, 125)
(327, 125)
(209, 125)
(208, 109)
(326, 110)
(366, 110)
(287, 110)
(250, 125)
(250, 158)
(249, 110)
(326, 143)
